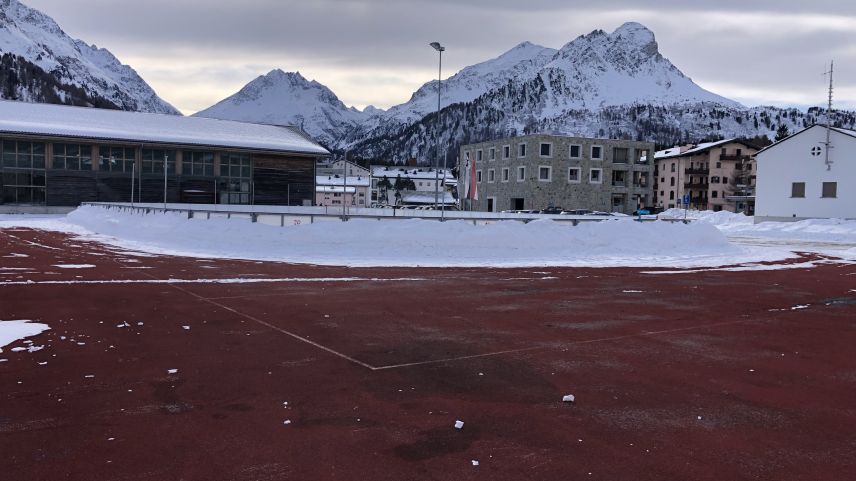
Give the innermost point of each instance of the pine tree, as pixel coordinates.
(782, 132)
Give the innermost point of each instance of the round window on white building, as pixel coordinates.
(815, 151)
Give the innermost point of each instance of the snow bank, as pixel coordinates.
(709, 216)
(414, 242)
(831, 236)
(11, 331)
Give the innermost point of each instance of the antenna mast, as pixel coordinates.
(828, 143)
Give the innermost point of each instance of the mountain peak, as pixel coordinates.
(288, 98)
(637, 35)
(67, 70)
(278, 75)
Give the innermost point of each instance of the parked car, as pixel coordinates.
(599, 213)
(576, 212)
(552, 210)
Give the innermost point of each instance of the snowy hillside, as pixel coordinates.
(286, 98)
(41, 63)
(470, 83)
(615, 85)
(621, 68)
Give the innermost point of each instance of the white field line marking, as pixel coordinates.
(572, 343)
(277, 328)
(267, 324)
(461, 358)
(750, 267)
(231, 280)
(34, 244)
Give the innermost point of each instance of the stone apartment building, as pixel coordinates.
(540, 171)
(716, 176)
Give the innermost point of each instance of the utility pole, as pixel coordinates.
(165, 162)
(828, 143)
(440, 49)
(345, 184)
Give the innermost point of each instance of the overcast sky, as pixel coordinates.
(375, 52)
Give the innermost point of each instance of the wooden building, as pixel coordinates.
(54, 155)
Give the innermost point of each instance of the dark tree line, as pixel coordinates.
(18, 75)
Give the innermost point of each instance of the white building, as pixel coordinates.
(798, 178)
(423, 190)
(334, 190)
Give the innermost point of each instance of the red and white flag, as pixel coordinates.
(473, 191)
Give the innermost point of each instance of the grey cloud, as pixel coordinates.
(777, 47)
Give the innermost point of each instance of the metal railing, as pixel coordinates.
(309, 215)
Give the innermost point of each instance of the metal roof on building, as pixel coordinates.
(136, 127)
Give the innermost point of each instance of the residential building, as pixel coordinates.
(802, 177)
(713, 176)
(394, 185)
(342, 167)
(540, 171)
(55, 155)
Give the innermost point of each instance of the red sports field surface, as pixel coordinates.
(700, 376)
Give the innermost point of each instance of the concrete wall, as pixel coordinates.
(792, 161)
(499, 194)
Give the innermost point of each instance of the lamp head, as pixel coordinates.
(436, 46)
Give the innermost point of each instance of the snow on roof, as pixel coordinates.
(677, 151)
(329, 188)
(118, 125)
(427, 198)
(336, 180)
(411, 172)
(840, 130)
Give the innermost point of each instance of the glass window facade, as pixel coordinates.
(72, 157)
(236, 172)
(197, 164)
(23, 172)
(153, 160)
(117, 159)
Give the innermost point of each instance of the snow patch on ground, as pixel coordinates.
(11, 331)
(833, 237)
(358, 242)
(74, 266)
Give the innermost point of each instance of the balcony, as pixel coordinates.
(696, 185)
(739, 158)
(697, 171)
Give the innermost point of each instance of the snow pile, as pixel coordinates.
(716, 218)
(11, 331)
(739, 225)
(621, 242)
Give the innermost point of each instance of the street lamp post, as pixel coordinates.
(165, 162)
(440, 49)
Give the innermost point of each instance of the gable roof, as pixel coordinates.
(847, 132)
(675, 152)
(118, 125)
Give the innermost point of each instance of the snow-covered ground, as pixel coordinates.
(620, 242)
(834, 237)
(11, 331)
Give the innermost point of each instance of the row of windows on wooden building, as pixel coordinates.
(31, 155)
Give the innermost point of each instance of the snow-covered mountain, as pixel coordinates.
(287, 98)
(622, 68)
(470, 83)
(531, 86)
(615, 85)
(41, 63)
